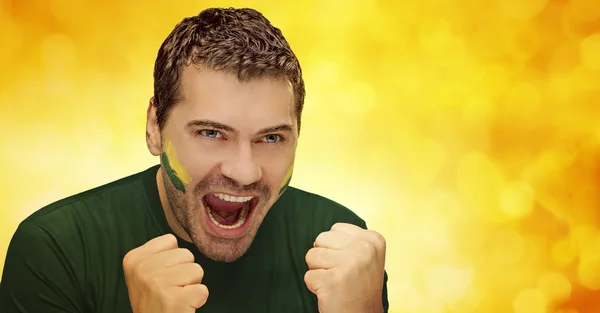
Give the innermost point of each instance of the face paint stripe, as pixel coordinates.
(174, 163)
(174, 169)
(287, 180)
(285, 186)
(171, 173)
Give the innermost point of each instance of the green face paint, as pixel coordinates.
(171, 173)
(286, 181)
(177, 174)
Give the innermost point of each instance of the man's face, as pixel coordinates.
(227, 152)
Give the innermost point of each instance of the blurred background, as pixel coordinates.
(465, 131)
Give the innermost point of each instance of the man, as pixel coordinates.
(215, 227)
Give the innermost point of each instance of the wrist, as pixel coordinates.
(378, 305)
(374, 306)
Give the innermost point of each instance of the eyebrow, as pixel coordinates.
(274, 129)
(209, 123)
(221, 126)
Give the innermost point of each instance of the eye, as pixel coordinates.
(272, 138)
(210, 133)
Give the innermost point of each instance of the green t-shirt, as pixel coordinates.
(67, 257)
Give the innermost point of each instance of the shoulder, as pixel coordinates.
(67, 234)
(94, 201)
(84, 221)
(318, 210)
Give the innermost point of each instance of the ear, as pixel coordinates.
(153, 139)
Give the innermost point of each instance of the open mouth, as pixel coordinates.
(229, 212)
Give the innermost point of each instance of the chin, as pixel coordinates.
(218, 248)
(224, 250)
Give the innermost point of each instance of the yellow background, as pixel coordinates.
(465, 131)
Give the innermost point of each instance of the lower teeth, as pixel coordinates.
(240, 221)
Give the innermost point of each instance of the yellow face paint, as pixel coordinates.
(286, 180)
(176, 172)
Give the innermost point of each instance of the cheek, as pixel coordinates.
(286, 179)
(278, 167)
(175, 170)
(197, 161)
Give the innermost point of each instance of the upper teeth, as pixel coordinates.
(232, 198)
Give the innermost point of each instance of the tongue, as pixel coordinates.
(226, 218)
(224, 212)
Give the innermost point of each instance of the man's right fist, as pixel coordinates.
(163, 278)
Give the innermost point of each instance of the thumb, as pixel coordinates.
(316, 279)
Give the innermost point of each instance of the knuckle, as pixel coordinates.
(136, 272)
(309, 256)
(355, 262)
(324, 238)
(366, 259)
(309, 280)
(307, 275)
(195, 295)
(188, 254)
(154, 283)
(140, 269)
(170, 238)
(128, 259)
(198, 269)
(202, 292)
(320, 238)
(366, 247)
(337, 225)
(312, 256)
(379, 239)
(201, 295)
(360, 257)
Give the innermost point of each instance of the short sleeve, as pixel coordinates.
(37, 275)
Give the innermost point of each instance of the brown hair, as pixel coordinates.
(238, 41)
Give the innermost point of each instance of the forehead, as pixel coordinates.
(220, 96)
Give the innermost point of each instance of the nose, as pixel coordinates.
(241, 166)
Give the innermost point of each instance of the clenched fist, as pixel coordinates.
(162, 278)
(346, 270)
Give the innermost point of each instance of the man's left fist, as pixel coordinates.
(346, 270)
